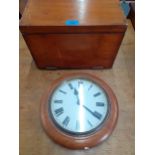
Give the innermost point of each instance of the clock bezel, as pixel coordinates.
(87, 140)
(72, 133)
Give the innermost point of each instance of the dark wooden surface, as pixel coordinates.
(85, 141)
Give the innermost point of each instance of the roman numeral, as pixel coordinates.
(79, 83)
(70, 86)
(59, 111)
(66, 121)
(99, 104)
(97, 94)
(63, 91)
(57, 101)
(89, 123)
(97, 115)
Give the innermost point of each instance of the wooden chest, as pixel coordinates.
(73, 33)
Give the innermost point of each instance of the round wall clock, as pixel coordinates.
(79, 111)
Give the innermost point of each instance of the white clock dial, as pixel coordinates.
(78, 106)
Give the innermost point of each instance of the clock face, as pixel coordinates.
(78, 106)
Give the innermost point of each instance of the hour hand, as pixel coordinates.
(76, 92)
(77, 95)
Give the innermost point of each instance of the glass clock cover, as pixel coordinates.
(78, 106)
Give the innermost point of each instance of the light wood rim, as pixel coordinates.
(88, 141)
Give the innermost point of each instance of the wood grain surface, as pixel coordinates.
(34, 82)
(87, 12)
(71, 50)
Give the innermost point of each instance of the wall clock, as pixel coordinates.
(79, 111)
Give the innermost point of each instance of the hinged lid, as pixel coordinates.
(72, 16)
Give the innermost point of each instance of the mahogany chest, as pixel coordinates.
(73, 33)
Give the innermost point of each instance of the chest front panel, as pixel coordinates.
(74, 50)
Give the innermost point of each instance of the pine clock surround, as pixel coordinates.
(85, 140)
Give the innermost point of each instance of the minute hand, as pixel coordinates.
(95, 114)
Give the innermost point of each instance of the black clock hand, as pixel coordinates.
(95, 114)
(76, 93)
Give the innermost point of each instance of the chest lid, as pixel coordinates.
(72, 16)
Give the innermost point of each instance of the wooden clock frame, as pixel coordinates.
(79, 142)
